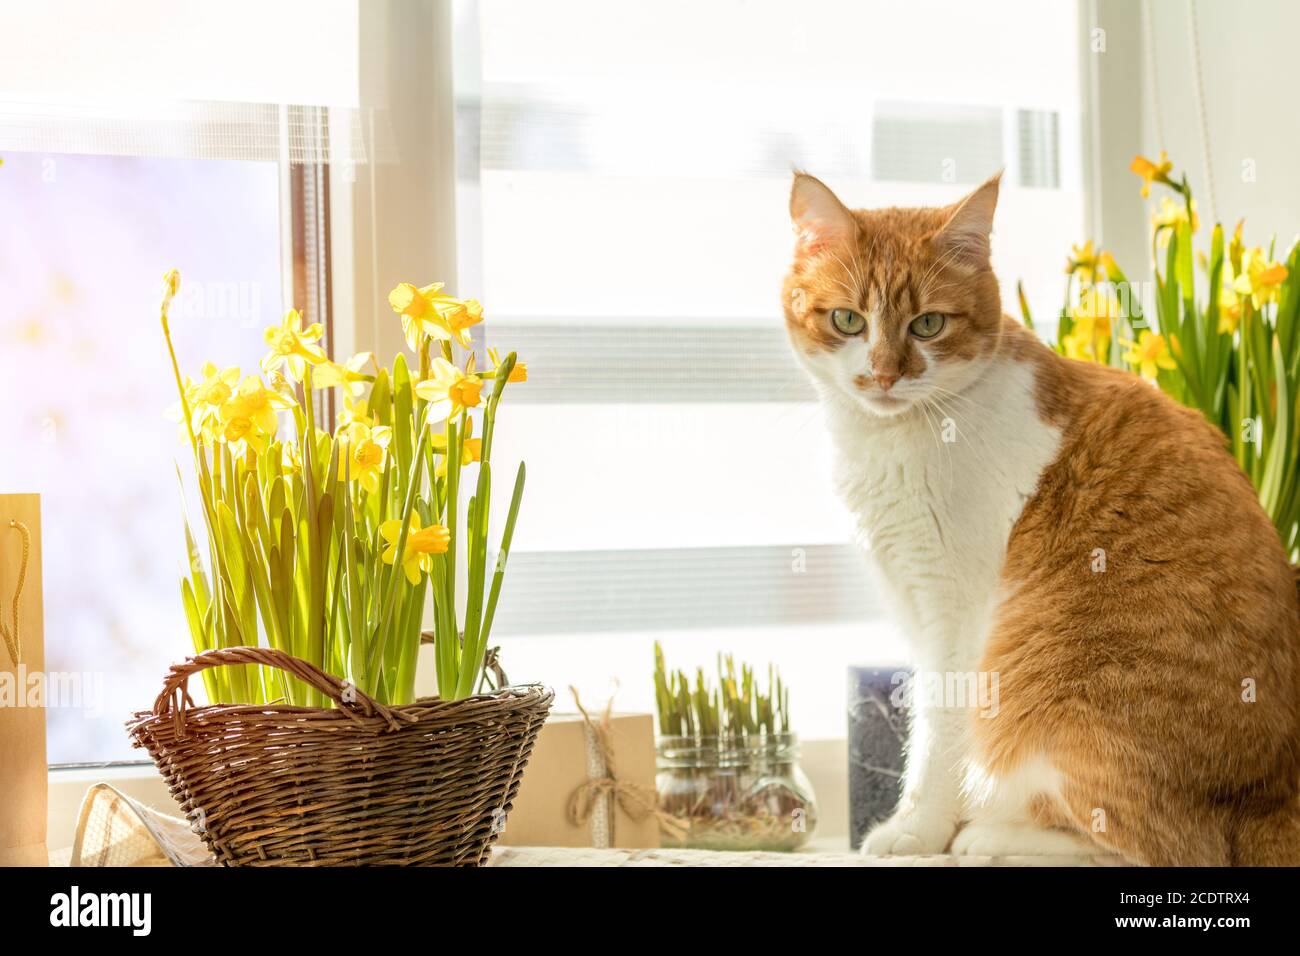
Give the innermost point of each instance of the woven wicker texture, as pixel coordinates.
(275, 785)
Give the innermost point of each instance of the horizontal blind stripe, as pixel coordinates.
(551, 592)
(652, 361)
(927, 142)
(193, 130)
(509, 127)
(1038, 140)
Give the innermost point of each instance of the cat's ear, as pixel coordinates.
(818, 217)
(965, 236)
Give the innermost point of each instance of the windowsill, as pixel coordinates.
(68, 788)
(824, 761)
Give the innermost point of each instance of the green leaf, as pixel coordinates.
(507, 536)
(1025, 314)
(1288, 310)
(397, 579)
(380, 403)
(1277, 459)
(201, 638)
(402, 410)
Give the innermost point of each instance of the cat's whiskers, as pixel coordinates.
(938, 263)
(933, 296)
(924, 407)
(861, 272)
(949, 393)
(987, 457)
(856, 293)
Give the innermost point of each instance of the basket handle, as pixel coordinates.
(175, 695)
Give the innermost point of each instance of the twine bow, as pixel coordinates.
(636, 800)
(13, 640)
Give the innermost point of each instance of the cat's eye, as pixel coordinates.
(847, 322)
(928, 326)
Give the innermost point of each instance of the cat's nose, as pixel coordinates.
(885, 380)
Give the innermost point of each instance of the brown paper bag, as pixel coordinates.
(23, 768)
(563, 760)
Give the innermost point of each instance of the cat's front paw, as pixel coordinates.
(911, 833)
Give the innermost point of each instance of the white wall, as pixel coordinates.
(1251, 70)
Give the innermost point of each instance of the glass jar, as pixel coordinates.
(735, 795)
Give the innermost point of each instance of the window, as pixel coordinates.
(84, 243)
(225, 171)
(621, 180)
(623, 172)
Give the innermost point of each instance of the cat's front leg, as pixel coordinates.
(931, 805)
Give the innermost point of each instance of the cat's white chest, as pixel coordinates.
(935, 494)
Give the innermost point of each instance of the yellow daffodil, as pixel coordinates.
(293, 347)
(517, 374)
(253, 400)
(1148, 354)
(171, 285)
(1173, 213)
(284, 387)
(175, 413)
(418, 306)
(243, 435)
(448, 389)
(1260, 278)
(367, 450)
(471, 449)
(1083, 262)
(1098, 304)
(456, 323)
(1092, 317)
(350, 376)
(421, 543)
(1235, 248)
(290, 458)
(218, 385)
(1229, 309)
(355, 409)
(206, 397)
(1152, 172)
(1079, 346)
(1106, 264)
(429, 312)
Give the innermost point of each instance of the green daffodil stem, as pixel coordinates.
(477, 623)
(503, 555)
(315, 645)
(380, 636)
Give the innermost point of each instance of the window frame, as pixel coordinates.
(381, 221)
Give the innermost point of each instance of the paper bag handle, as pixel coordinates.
(13, 640)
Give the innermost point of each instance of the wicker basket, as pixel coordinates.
(275, 785)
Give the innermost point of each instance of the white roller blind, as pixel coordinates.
(624, 172)
(242, 51)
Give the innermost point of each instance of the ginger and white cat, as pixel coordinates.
(1065, 528)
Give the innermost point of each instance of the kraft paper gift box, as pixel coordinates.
(23, 768)
(568, 796)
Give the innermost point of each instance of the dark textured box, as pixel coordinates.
(877, 732)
